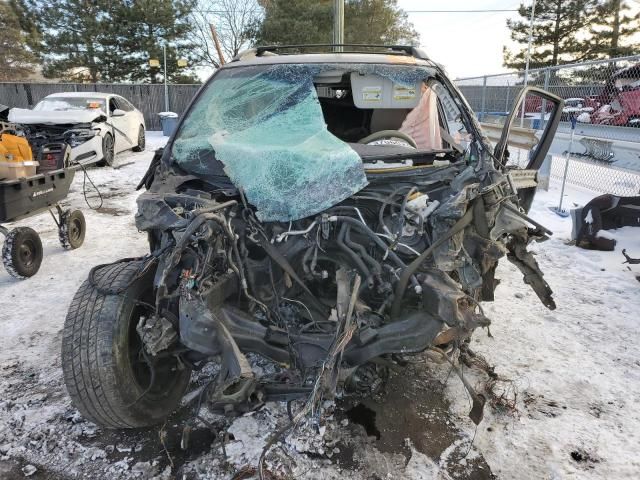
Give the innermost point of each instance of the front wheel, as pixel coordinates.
(110, 379)
(141, 140)
(22, 252)
(108, 150)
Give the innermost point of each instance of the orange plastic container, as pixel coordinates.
(14, 149)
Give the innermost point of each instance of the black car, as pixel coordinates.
(333, 213)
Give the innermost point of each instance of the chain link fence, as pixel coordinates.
(148, 98)
(597, 177)
(604, 96)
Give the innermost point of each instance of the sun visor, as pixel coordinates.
(375, 91)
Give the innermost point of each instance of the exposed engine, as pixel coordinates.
(393, 270)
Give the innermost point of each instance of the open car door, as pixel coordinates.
(526, 138)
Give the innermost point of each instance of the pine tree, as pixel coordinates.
(296, 22)
(72, 38)
(378, 22)
(113, 40)
(613, 29)
(16, 58)
(146, 26)
(560, 33)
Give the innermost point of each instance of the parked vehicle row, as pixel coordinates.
(617, 104)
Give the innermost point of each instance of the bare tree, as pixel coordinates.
(232, 19)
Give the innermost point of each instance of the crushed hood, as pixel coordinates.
(58, 117)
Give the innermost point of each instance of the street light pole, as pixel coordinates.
(338, 24)
(166, 88)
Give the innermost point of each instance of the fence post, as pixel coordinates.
(547, 74)
(506, 102)
(484, 98)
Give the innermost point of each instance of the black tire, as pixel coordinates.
(141, 140)
(108, 150)
(72, 229)
(105, 376)
(22, 252)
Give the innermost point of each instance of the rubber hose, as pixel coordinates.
(408, 272)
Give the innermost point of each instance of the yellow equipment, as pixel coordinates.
(16, 158)
(14, 149)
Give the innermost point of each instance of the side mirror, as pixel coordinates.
(530, 127)
(118, 113)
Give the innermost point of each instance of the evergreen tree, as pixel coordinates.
(612, 30)
(306, 22)
(560, 33)
(16, 58)
(146, 26)
(378, 22)
(72, 38)
(113, 40)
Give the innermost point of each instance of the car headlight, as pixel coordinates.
(78, 138)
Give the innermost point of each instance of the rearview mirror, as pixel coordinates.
(118, 113)
(529, 130)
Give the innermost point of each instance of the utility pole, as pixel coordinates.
(166, 88)
(526, 68)
(216, 42)
(338, 24)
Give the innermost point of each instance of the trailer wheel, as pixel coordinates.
(106, 372)
(71, 229)
(22, 252)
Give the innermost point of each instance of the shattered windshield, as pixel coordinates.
(263, 127)
(70, 103)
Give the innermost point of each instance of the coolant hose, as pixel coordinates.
(365, 229)
(410, 269)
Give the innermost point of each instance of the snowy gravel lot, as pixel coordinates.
(572, 376)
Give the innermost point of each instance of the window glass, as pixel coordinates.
(124, 104)
(70, 103)
(263, 129)
(455, 129)
(113, 105)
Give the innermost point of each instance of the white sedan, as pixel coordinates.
(95, 126)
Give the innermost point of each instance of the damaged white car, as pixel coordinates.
(85, 127)
(334, 214)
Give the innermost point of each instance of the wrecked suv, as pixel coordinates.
(331, 213)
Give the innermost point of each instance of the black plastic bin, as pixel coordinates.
(26, 196)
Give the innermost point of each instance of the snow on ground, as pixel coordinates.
(575, 371)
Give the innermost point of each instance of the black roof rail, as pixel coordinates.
(402, 49)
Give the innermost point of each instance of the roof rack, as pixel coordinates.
(389, 49)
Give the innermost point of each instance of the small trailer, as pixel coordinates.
(22, 249)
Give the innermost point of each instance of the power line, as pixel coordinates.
(462, 11)
(407, 11)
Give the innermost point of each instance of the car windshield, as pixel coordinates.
(70, 103)
(291, 135)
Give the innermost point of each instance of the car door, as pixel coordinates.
(120, 125)
(133, 120)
